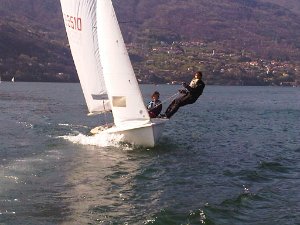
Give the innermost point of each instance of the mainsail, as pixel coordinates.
(102, 61)
(122, 86)
(81, 26)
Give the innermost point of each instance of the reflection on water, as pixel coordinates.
(108, 185)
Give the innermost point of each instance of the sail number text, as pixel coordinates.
(73, 22)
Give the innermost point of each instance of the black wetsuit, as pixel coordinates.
(189, 97)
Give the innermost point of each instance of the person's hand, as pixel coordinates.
(182, 91)
(184, 84)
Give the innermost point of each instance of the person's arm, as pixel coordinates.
(188, 87)
(150, 105)
(195, 89)
(159, 107)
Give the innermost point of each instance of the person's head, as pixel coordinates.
(198, 75)
(155, 95)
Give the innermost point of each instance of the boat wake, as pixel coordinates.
(100, 140)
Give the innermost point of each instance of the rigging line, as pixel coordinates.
(171, 97)
(167, 99)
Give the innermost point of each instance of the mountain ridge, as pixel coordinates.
(264, 28)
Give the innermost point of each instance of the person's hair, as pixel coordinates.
(155, 93)
(199, 73)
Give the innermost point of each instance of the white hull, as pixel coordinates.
(146, 135)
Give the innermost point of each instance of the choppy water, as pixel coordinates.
(231, 158)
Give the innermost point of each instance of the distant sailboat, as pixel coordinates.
(105, 71)
(13, 79)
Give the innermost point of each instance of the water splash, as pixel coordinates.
(12, 178)
(7, 212)
(100, 140)
(71, 125)
(26, 124)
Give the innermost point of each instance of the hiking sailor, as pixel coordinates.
(155, 106)
(189, 95)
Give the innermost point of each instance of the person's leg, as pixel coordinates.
(176, 104)
(170, 106)
(172, 110)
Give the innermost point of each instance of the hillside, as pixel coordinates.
(31, 48)
(33, 43)
(243, 24)
(292, 5)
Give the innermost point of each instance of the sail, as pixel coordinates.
(81, 26)
(122, 87)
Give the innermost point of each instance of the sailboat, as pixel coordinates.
(105, 71)
(13, 79)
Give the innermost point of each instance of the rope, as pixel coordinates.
(173, 96)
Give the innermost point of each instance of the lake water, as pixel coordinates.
(233, 157)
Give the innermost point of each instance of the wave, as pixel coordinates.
(170, 217)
